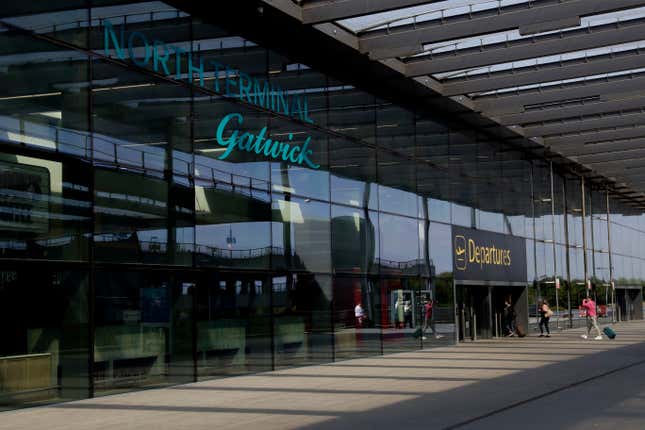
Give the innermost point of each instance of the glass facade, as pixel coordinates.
(179, 203)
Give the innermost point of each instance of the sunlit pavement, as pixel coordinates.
(531, 383)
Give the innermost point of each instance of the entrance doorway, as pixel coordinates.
(517, 298)
(480, 310)
(474, 312)
(629, 303)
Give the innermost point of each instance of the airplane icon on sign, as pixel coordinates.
(460, 252)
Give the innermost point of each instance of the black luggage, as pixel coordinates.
(609, 332)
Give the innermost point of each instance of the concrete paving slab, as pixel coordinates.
(474, 385)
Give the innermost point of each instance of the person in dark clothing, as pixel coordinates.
(407, 314)
(545, 315)
(509, 317)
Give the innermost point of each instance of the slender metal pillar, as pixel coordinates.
(567, 248)
(611, 263)
(584, 235)
(534, 237)
(555, 264)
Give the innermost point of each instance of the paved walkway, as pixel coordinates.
(563, 382)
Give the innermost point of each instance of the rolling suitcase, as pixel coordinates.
(609, 332)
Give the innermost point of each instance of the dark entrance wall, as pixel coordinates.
(629, 304)
(480, 308)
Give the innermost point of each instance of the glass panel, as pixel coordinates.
(439, 210)
(301, 232)
(402, 314)
(131, 223)
(396, 201)
(355, 242)
(356, 316)
(490, 221)
(463, 215)
(44, 95)
(44, 208)
(233, 324)
(132, 334)
(44, 327)
(399, 245)
(44, 197)
(140, 135)
(233, 225)
(311, 178)
(353, 173)
(302, 319)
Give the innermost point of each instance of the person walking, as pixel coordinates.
(509, 317)
(428, 318)
(545, 316)
(359, 314)
(592, 318)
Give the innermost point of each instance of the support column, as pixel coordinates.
(611, 263)
(584, 236)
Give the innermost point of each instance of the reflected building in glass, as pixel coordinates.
(182, 201)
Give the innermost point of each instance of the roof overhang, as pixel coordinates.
(561, 80)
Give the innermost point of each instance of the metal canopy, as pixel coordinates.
(546, 73)
(563, 75)
(409, 39)
(527, 48)
(331, 10)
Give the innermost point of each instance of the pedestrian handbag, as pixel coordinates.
(548, 313)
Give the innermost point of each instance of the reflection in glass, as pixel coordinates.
(45, 336)
(439, 210)
(354, 240)
(356, 317)
(233, 226)
(44, 208)
(302, 319)
(399, 245)
(233, 324)
(301, 227)
(401, 313)
(132, 319)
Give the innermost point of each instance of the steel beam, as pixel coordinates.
(573, 126)
(635, 181)
(286, 6)
(625, 163)
(409, 39)
(326, 11)
(620, 104)
(621, 171)
(610, 156)
(603, 148)
(589, 138)
(525, 49)
(513, 103)
(545, 73)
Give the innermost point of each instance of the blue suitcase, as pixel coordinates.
(609, 332)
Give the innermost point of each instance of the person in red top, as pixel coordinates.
(592, 317)
(428, 321)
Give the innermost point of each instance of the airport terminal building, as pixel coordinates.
(190, 190)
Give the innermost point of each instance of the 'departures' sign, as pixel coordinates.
(485, 256)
